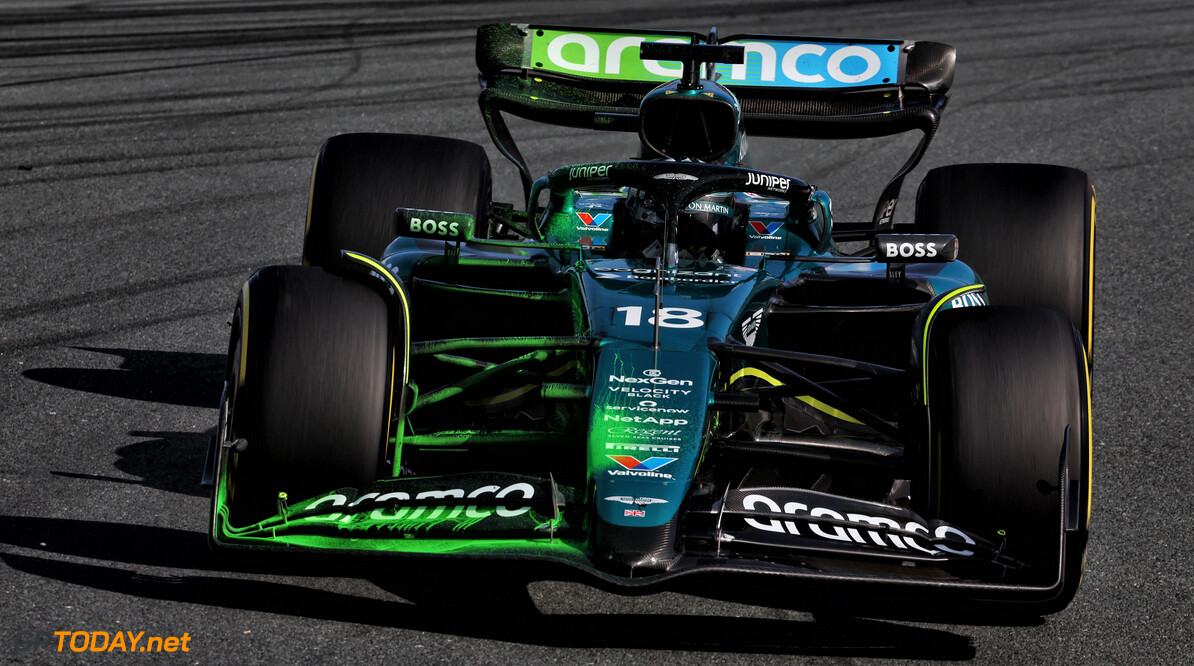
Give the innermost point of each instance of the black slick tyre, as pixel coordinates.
(1026, 229)
(359, 179)
(1009, 427)
(312, 362)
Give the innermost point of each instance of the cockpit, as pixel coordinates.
(632, 221)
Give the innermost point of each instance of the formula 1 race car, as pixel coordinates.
(666, 372)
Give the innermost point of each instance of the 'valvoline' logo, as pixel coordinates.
(765, 228)
(593, 220)
(648, 465)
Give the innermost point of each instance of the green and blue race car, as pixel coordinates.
(675, 371)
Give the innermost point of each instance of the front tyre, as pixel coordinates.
(1008, 406)
(310, 381)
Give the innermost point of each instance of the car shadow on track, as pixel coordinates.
(171, 378)
(170, 461)
(508, 611)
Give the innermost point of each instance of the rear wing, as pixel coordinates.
(800, 87)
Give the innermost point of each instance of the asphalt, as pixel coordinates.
(153, 154)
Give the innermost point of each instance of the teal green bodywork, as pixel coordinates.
(640, 401)
(646, 405)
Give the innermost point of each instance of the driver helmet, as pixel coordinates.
(704, 223)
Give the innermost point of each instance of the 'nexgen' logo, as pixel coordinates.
(650, 380)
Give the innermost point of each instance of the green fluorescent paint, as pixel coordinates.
(606, 55)
(464, 362)
(551, 297)
(398, 540)
(557, 391)
(464, 438)
(429, 523)
(481, 377)
(456, 344)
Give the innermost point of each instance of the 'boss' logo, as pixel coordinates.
(429, 226)
(433, 224)
(906, 250)
(916, 247)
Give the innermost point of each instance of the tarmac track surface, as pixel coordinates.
(153, 154)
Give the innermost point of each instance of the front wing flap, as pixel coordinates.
(477, 506)
(775, 520)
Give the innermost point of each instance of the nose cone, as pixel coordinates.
(623, 550)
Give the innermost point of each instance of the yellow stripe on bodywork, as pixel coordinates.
(385, 273)
(806, 399)
(755, 372)
(388, 276)
(822, 407)
(924, 346)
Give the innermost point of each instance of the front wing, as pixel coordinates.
(749, 539)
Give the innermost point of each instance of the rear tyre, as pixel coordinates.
(1026, 229)
(1008, 405)
(359, 180)
(313, 399)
